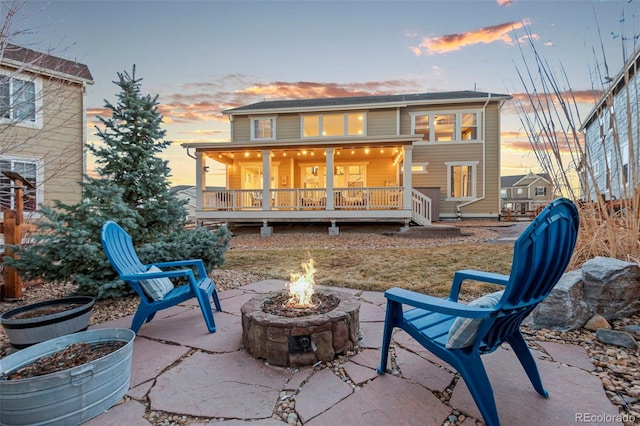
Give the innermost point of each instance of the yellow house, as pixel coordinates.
(411, 158)
(42, 125)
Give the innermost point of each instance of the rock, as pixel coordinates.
(634, 330)
(596, 322)
(612, 287)
(292, 418)
(565, 308)
(617, 338)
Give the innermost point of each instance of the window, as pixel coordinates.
(263, 128)
(29, 171)
(18, 101)
(469, 129)
(446, 127)
(461, 180)
(332, 125)
(541, 191)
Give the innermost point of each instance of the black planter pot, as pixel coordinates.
(23, 332)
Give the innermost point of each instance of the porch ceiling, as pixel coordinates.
(308, 154)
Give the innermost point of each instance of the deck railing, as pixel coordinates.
(367, 198)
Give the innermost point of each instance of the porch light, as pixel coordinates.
(366, 150)
(246, 154)
(352, 152)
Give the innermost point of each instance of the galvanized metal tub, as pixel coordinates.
(23, 332)
(71, 396)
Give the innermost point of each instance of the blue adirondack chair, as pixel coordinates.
(540, 256)
(119, 249)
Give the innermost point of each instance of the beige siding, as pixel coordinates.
(381, 122)
(288, 126)
(241, 129)
(58, 144)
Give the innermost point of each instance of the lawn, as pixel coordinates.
(427, 270)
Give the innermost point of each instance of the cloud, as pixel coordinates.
(521, 102)
(505, 2)
(452, 42)
(205, 101)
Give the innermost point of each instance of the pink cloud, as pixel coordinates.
(452, 42)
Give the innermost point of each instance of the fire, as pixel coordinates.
(301, 287)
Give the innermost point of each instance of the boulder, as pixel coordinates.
(612, 287)
(565, 308)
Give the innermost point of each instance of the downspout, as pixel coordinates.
(84, 131)
(484, 162)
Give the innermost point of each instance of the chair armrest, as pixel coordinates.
(160, 274)
(435, 304)
(469, 274)
(202, 273)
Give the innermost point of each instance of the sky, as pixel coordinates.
(201, 57)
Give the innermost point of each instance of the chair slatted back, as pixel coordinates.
(540, 257)
(119, 249)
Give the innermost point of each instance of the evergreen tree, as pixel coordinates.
(132, 188)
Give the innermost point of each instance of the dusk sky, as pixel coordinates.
(202, 57)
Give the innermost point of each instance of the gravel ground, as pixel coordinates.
(618, 368)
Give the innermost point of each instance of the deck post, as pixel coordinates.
(266, 179)
(408, 185)
(329, 164)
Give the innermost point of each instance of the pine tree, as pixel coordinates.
(132, 188)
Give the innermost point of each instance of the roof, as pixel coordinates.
(519, 180)
(615, 85)
(358, 101)
(43, 62)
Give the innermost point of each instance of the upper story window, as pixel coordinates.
(332, 125)
(446, 127)
(28, 170)
(263, 128)
(541, 191)
(19, 102)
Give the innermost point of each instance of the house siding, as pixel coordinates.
(382, 122)
(58, 144)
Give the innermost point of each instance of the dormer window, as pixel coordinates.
(263, 128)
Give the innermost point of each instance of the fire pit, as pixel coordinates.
(300, 326)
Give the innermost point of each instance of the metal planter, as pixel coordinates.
(67, 397)
(23, 332)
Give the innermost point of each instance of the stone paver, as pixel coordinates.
(183, 369)
(150, 358)
(387, 400)
(358, 373)
(322, 391)
(573, 355)
(423, 372)
(571, 391)
(130, 413)
(231, 385)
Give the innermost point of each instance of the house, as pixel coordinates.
(43, 127)
(411, 158)
(612, 148)
(525, 194)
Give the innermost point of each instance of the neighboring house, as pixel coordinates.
(612, 148)
(525, 194)
(42, 126)
(343, 159)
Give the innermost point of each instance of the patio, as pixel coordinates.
(181, 369)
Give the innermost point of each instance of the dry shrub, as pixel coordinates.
(608, 229)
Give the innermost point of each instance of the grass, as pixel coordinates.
(426, 270)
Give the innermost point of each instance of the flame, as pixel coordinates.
(301, 287)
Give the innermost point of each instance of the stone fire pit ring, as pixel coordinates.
(303, 340)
